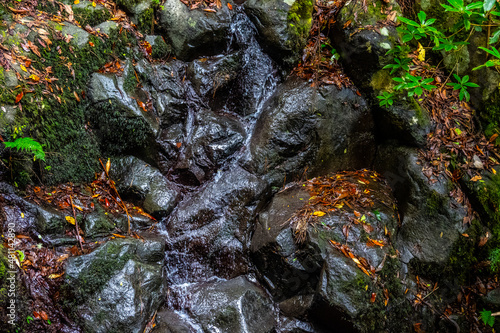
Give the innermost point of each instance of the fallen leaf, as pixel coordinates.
(43, 314)
(229, 6)
(318, 213)
(34, 77)
(476, 178)
(23, 68)
(76, 96)
(373, 298)
(76, 2)
(70, 220)
(91, 44)
(19, 97)
(55, 276)
(421, 53)
(178, 144)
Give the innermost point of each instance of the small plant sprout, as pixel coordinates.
(462, 85)
(386, 99)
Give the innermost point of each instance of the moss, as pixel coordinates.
(145, 21)
(108, 261)
(57, 120)
(119, 132)
(435, 202)
(299, 23)
(161, 50)
(91, 17)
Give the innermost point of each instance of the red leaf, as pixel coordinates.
(19, 97)
(374, 296)
(229, 6)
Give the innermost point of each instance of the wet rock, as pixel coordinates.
(283, 26)
(145, 185)
(233, 306)
(210, 75)
(404, 121)
(431, 221)
(214, 139)
(97, 224)
(118, 286)
(193, 33)
(208, 232)
(324, 129)
(297, 273)
(28, 217)
(169, 94)
(255, 80)
(362, 48)
(169, 321)
(115, 113)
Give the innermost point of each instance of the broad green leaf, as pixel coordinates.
(494, 37)
(488, 5)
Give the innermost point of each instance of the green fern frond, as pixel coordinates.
(29, 145)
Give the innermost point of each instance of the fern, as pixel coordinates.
(29, 145)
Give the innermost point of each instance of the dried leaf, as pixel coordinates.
(318, 213)
(55, 276)
(229, 6)
(373, 297)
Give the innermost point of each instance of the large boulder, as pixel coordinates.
(119, 286)
(334, 272)
(233, 306)
(431, 220)
(213, 140)
(145, 185)
(283, 26)
(209, 231)
(362, 38)
(193, 33)
(324, 129)
(118, 112)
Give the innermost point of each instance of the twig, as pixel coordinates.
(111, 183)
(76, 223)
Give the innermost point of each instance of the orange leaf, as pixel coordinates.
(43, 314)
(229, 6)
(19, 97)
(76, 96)
(374, 242)
(374, 296)
(119, 236)
(356, 213)
(91, 44)
(476, 178)
(108, 165)
(178, 144)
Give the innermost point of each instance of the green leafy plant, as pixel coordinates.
(415, 85)
(28, 145)
(487, 318)
(490, 63)
(400, 64)
(418, 30)
(463, 84)
(386, 99)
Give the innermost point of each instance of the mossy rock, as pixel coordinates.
(283, 26)
(87, 14)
